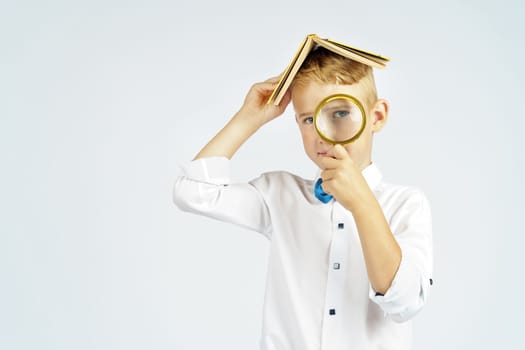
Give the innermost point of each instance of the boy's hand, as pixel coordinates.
(256, 110)
(343, 179)
(254, 113)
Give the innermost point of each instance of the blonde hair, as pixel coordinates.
(326, 67)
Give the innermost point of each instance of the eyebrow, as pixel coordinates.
(332, 108)
(338, 108)
(308, 114)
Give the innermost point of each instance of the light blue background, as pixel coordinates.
(100, 101)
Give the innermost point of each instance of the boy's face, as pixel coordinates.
(305, 100)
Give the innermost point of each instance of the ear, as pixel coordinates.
(379, 115)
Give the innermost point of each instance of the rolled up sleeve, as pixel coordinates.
(412, 227)
(205, 188)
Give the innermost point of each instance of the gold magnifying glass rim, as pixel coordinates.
(334, 97)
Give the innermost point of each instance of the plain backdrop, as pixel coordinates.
(101, 101)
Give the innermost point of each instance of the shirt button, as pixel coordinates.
(337, 266)
(341, 226)
(332, 312)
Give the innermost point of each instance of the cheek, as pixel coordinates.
(309, 139)
(308, 134)
(359, 144)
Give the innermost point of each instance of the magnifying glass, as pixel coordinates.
(338, 119)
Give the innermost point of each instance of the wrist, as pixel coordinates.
(364, 205)
(246, 121)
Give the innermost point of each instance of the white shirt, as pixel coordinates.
(318, 296)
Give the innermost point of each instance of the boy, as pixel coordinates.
(349, 274)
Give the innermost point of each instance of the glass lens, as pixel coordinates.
(340, 120)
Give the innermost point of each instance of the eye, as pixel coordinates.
(308, 120)
(341, 114)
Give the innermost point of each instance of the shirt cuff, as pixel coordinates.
(407, 293)
(213, 170)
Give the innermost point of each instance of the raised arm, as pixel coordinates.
(202, 187)
(253, 114)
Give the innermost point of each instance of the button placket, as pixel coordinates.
(336, 276)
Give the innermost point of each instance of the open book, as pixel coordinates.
(308, 44)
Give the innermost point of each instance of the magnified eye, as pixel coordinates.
(339, 118)
(341, 114)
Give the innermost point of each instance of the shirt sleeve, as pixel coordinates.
(205, 188)
(412, 228)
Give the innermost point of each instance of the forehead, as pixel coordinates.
(305, 98)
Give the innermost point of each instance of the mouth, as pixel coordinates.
(322, 154)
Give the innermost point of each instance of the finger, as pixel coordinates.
(338, 152)
(261, 90)
(327, 162)
(265, 85)
(273, 79)
(328, 186)
(328, 174)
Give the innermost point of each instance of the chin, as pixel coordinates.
(314, 160)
